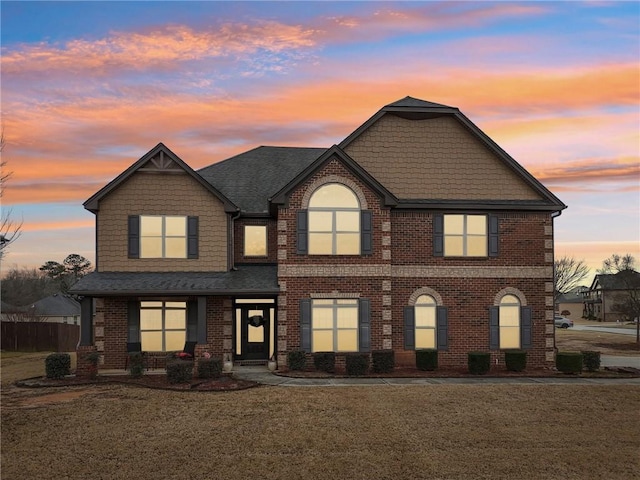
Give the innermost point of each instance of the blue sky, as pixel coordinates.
(89, 87)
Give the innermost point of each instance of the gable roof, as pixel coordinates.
(167, 158)
(415, 109)
(251, 178)
(57, 305)
(616, 281)
(388, 198)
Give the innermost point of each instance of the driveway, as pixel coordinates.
(618, 361)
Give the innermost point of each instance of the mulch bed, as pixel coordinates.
(222, 384)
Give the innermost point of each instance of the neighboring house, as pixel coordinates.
(11, 313)
(416, 231)
(608, 293)
(572, 302)
(56, 308)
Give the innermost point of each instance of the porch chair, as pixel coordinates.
(132, 349)
(189, 350)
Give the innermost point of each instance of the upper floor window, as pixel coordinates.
(162, 236)
(255, 240)
(334, 221)
(465, 236)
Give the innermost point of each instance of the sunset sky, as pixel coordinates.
(90, 87)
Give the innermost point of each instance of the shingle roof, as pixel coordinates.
(57, 305)
(251, 279)
(251, 178)
(415, 102)
(618, 281)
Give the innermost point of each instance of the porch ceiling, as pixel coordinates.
(262, 279)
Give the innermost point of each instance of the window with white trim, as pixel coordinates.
(509, 322)
(465, 235)
(425, 322)
(334, 221)
(163, 236)
(334, 325)
(163, 326)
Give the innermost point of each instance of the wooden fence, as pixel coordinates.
(39, 336)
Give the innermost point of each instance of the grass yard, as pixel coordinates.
(384, 432)
(20, 365)
(568, 339)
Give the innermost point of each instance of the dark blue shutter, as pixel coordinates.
(192, 237)
(305, 324)
(134, 236)
(133, 321)
(494, 237)
(409, 328)
(364, 322)
(526, 328)
(494, 328)
(366, 232)
(302, 231)
(202, 320)
(192, 321)
(438, 235)
(442, 328)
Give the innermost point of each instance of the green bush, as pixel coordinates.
(180, 371)
(479, 362)
(136, 364)
(356, 363)
(383, 361)
(516, 360)
(569, 362)
(209, 368)
(297, 359)
(427, 359)
(591, 360)
(57, 365)
(325, 361)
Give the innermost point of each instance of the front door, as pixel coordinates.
(254, 323)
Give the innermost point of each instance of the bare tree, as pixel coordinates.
(628, 300)
(9, 229)
(568, 273)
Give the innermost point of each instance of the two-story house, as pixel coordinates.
(416, 231)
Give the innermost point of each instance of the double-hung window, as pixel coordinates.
(163, 236)
(465, 235)
(509, 322)
(163, 325)
(425, 322)
(334, 325)
(334, 221)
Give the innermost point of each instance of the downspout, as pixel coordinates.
(232, 246)
(554, 215)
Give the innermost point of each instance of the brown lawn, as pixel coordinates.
(606, 343)
(384, 432)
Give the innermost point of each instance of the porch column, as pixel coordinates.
(86, 321)
(202, 320)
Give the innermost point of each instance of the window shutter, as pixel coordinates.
(438, 235)
(134, 236)
(494, 328)
(305, 325)
(409, 328)
(364, 322)
(366, 232)
(133, 320)
(192, 321)
(192, 237)
(302, 232)
(494, 228)
(526, 327)
(442, 328)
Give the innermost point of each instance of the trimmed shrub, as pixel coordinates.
(479, 362)
(297, 359)
(325, 361)
(209, 368)
(136, 364)
(591, 360)
(57, 365)
(356, 363)
(427, 359)
(516, 360)
(180, 371)
(383, 361)
(569, 362)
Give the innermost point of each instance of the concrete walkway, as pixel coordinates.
(262, 375)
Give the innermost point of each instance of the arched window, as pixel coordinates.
(425, 322)
(334, 221)
(509, 322)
